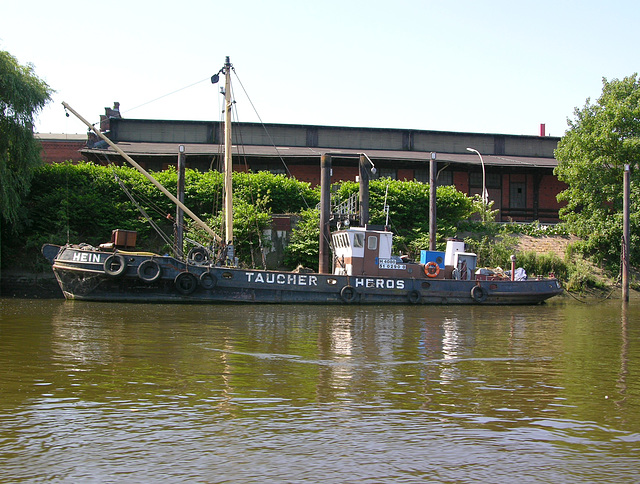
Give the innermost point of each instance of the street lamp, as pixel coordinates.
(484, 183)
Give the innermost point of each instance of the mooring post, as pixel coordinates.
(324, 251)
(180, 196)
(626, 246)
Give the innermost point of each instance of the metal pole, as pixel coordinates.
(179, 212)
(325, 209)
(433, 173)
(625, 234)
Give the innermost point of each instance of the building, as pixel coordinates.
(518, 170)
(57, 148)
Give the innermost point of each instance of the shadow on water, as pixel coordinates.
(289, 393)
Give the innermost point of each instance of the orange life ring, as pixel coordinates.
(431, 269)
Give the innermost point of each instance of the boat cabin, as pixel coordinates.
(366, 251)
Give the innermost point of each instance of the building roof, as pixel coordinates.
(171, 150)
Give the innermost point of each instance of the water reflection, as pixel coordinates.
(301, 390)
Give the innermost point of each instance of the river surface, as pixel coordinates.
(98, 392)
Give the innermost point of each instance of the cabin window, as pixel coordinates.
(358, 240)
(372, 242)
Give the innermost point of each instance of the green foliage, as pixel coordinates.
(602, 138)
(22, 96)
(581, 277)
(284, 194)
(543, 264)
(249, 222)
(492, 251)
(303, 246)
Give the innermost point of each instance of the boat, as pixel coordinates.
(363, 269)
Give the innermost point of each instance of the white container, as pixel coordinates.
(453, 246)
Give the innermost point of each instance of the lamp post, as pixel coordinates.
(484, 183)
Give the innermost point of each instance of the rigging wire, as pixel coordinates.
(167, 95)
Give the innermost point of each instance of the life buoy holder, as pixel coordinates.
(479, 294)
(348, 294)
(431, 269)
(115, 265)
(186, 283)
(149, 270)
(208, 280)
(414, 297)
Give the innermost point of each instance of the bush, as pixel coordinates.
(543, 264)
(303, 246)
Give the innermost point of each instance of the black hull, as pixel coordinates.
(92, 275)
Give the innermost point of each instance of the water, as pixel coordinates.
(141, 393)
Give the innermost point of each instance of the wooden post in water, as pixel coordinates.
(625, 234)
(325, 210)
(179, 242)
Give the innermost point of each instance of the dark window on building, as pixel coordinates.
(492, 180)
(498, 145)
(445, 177)
(517, 195)
(388, 173)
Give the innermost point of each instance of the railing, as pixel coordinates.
(346, 207)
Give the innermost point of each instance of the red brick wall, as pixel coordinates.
(60, 151)
(405, 174)
(461, 181)
(549, 188)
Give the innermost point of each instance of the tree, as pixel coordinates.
(22, 96)
(591, 156)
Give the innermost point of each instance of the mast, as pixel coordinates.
(228, 162)
(169, 195)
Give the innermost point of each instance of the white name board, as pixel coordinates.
(390, 264)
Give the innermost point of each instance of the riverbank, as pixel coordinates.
(20, 284)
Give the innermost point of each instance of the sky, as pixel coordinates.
(469, 66)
